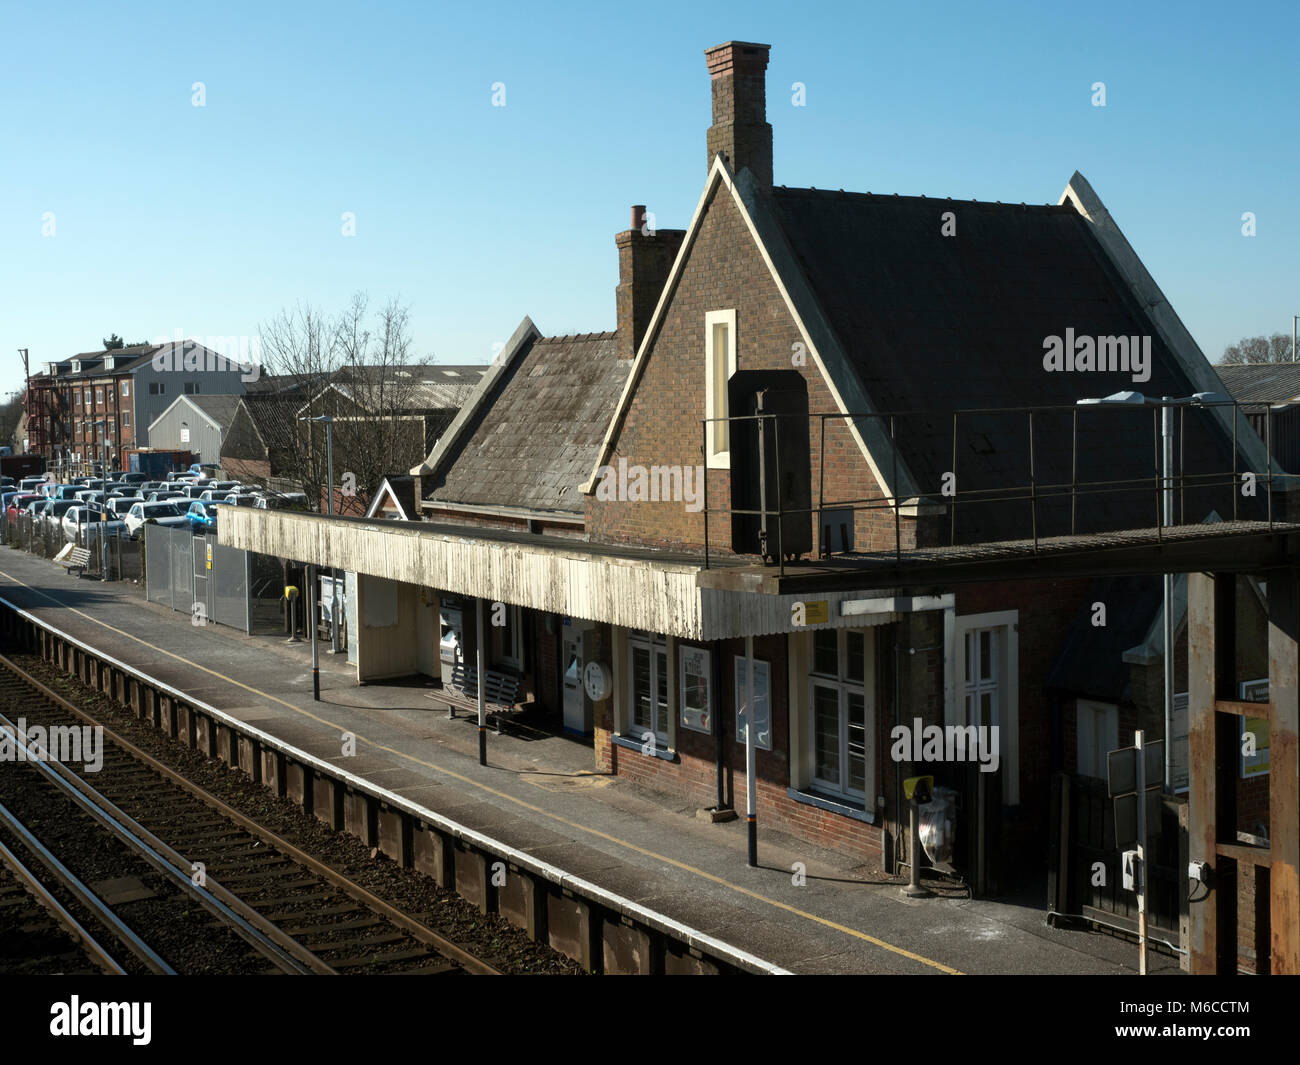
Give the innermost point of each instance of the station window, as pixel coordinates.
(841, 718)
(648, 695)
(720, 364)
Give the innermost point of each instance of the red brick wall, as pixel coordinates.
(724, 271)
(247, 469)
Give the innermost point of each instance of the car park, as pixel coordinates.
(164, 513)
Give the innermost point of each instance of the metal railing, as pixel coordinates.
(1045, 486)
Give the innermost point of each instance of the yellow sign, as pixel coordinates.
(926, 784)
(209, 556)
(817, 612)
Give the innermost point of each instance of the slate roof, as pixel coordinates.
(274, 418)
(942, 323)
(124, 358)
(417, 387)
(220, 408)
(1261, 382)
(534, 439)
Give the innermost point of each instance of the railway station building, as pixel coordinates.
(820, 420)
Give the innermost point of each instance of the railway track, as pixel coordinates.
(265, 904)
(41, 936)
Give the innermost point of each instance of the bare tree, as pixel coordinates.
(357, 368)
(1275, 348)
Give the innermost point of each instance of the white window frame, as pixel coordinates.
(126, 389)
(715, 406)
(844, 686)
(1087, 713)
(661, 722)
(956, 627)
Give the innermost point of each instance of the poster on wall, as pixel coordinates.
(695, 684)
(762, 713)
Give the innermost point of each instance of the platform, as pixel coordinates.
(539, 793)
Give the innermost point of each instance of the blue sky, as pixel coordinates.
(210, 219)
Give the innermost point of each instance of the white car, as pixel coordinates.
(119, 505)
(164, 513)
(76, 517)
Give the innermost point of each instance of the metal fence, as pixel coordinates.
(195, 575)
(46, 540)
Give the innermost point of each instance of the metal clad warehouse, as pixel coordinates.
(194, 423)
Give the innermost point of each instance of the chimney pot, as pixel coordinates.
(638, 216)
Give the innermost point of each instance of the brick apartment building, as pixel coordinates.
(88, 407)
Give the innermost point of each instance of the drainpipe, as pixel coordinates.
(719, 743)
(482, 686)
(751, 797)
(311, 621)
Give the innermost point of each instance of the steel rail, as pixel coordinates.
(416, 929)
(85, 896)
(285, 953)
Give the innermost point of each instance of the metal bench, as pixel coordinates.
(500, 691)
(74, 558)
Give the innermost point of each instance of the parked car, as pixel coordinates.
(18, 501)
(135, 478)
(13, 493)
(241, 499)
(50, 514)
(164, 494)
(31, 484)
(164, 513)
(77, 516)
(66, 491)
(119, 505)
(202, 515)
(282, 501)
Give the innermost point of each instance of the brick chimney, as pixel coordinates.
(644, 260)
(740, 130)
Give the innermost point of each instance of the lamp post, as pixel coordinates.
(103, 506)
(1167, 404)
(328, 422)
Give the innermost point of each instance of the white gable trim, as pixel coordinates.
(525, 335)
(386, 489)
(1160, 312)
